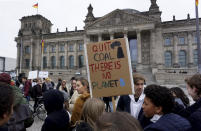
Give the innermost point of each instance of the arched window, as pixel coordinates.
(182, 58)
(71, 61)
(62, 61)
(44, 62)
(168, 59)
(81, 61)
(53, 62)
(195, 56)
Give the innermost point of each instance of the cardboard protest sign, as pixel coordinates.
(109, 68)
(33, 74)
(43, 74)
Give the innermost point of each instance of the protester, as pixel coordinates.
(57, 118)
(27, 86)
(73, 94)
(37, 93)
(59, 83)
(158, 105)
(117, 121)
(93, 108)
(133, 103)
(73, 86)
(21, 117)
(180, 96)
(6, 105)
(66, 103)
(108, 103)
(82, 87)
(193, 112)
(63, 86)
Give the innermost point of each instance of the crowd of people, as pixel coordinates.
(71, 108)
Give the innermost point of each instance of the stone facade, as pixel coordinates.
(166, 51)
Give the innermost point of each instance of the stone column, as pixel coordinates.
(152, 46)
(66, 55)
(190, 50)
(48, 56)
(175, 50)
(31, 55)
(76, 55)
(99, 37)
(57, 56)
(158, 48)
(139, 47)
(18, 56)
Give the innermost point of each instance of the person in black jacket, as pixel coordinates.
(193, 112)
(57, 117)
(37, 92)
(158, 105)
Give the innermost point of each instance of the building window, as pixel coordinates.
(44, 62)
(61, 49)
(195, 57)
(71, 47)
(71, 61)
(53, 48)
(167, 41)
(81, 61)
(27, 62)
(181, 40)
(81, 47)
(53, 62)
(27, 50)
(62, 62)
(168, 59)
(182, 58)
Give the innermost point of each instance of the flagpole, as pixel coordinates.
(198, 36)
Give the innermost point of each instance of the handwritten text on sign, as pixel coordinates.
(109, 68)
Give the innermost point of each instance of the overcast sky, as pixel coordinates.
(71, 13)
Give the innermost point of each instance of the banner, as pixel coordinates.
(33, 74)
(43, 74)
(109, 68)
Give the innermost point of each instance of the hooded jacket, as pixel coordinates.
(57, 118)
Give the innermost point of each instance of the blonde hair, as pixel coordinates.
(92, 110)
(84, 82)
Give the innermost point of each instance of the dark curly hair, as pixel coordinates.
(6, 99)
(180, 94)
(160, 96)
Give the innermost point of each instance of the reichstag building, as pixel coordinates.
(164, 51)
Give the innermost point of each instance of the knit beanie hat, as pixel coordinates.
(4, 77)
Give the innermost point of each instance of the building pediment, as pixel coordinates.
(120, 18)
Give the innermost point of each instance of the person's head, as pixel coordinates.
(73, 82)
(92, 110)
(139, 82)
(53, 100)
(24, 79)
(63, 83)
(66, 100)
(39, 81)
(117, 121)
(4, 77)
(6, 102)
(158, 100)
(59, 80)
(82, 86)
(179, 93)
(194, 86)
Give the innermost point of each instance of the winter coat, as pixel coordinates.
(77, 109)
(37, 91)
(193, 114)
(57, 118)
(170, 122)
(19, 99)
(73, 100)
